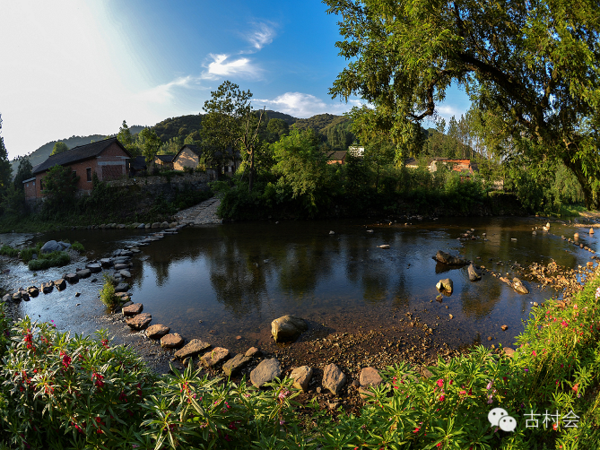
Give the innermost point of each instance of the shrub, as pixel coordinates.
(45, 261)
(7, 250)
(107, 293)
(78, 247)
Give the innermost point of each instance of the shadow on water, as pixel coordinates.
(220, 281)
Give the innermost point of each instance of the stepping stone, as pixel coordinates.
(252, 351)
(214, 357)
(157, 331)
(94, 268)
(72, 277)
(84, 273)
(33, 291)
(106, 262)
(140, 321)
(16, 297)
(235, 364)
(6, 298)
(301, 377)
(121, 266)
(125, 273)
(60, 284)
(172, 340)
(48, 287)
(265, 372)
(133, 309)
(192, 348)
(122, 287)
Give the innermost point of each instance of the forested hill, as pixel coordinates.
(40, 155)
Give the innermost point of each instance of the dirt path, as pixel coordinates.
(202, 213)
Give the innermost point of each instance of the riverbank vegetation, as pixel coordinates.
(63, 391)
(36, 260)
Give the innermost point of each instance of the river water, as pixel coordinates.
(218, 282)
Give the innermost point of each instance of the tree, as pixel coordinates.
(24, 172)
(59, 147)
(60, 190)
(124, 136)
(150, 143)
(231, 123)
(536, 65)
(5, 169)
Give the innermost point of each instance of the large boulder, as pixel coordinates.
(447, 258)
(518, 286)
(51, 246)
(333, 378)
(265, 372)
(288, 328)
(445, 285)
(192, 348)
(474, 274)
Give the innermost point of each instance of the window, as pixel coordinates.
(88, 173)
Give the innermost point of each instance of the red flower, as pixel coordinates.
(440, 382)
(442, 398)
(66, 361)
(576, 387)
(417, 430)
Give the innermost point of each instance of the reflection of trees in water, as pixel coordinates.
(372, 272)
(238, 277)
(304, 265)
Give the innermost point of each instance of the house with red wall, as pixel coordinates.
(108, 159)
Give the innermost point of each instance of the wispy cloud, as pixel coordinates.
(298, 104)
(164, 93)
(262, 35)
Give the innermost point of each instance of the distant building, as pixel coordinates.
(165, 161)
(355, 151)
(465, 166)
(108, 159)
(337, 157)
(221, 162)
(188, 156)
(411, 163)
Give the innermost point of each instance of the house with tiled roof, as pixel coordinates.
(108, 159)
(338, 157)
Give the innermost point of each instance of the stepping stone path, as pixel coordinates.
(140, 321)
(172, 340)
(157, 331)
(122, 287)
(214, 357)
(60, 284)
(265, 372)
(192, 348)
(46, 288)
(203, 213)
(72, 277)
(133, 309)
(84, 273)
(235, 364)
(33, 291)
(94, 267)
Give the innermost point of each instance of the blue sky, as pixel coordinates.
(77, 67)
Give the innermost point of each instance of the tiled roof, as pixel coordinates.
(337, 156)
(166, 158)
(79, 153)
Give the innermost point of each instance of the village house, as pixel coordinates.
(187, 157)
(164, 161)
(225, 162)
(337, 157)
(108, 159)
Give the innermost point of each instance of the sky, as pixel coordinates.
(81, 67)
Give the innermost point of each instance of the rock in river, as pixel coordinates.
(122, 287)
(133, 310)
(474, 274)
(157, 331)
(214, 357)
(172, 340)
(139, 322)
(265, 372)
(288, 328)
(518, 286)
(445, 285)
(446, 258)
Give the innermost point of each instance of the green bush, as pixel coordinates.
(45, 261)
(7, 250)
(78, 247)
(107, 293)
(27, 254)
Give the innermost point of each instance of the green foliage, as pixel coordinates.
(179, 127)
(60, 189)
(78, 247)
(47, 260)
(7, 250)
(149, 143)
(126, 138)
(107, 293)
(529, 68)
(5, 167)
(13, 204)
(59, 147)
(24, 172)
(26, 254)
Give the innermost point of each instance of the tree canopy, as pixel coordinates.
(530, 68)
(24, 172)
(5, 169)
(59, 147)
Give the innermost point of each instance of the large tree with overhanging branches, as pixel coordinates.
(530, 67)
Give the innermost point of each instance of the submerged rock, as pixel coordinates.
(445, 285)
(447, 258)
(518, 286)
(474, 274)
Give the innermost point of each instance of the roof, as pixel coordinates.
(29, 179)
(337, 156)
(166, 158)
(411, 162)
(76, 154)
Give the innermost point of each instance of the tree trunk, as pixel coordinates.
(251, 174)
(590, 197)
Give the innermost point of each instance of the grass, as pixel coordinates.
(45, 261)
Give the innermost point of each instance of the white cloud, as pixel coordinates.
(224, 66)
(261, 36)
(164, 93)
(301, 105)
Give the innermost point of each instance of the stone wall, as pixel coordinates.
(160, 185)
